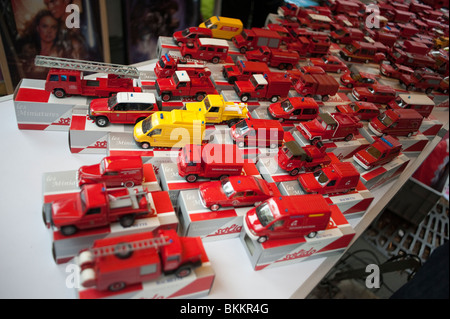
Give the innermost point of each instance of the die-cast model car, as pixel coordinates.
(330, 63)
(380, 152)
(363, 110)
(376, 93)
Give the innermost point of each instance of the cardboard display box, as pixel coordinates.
(57, 185)
(276, 253)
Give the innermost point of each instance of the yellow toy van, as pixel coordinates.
(222, 27)
(170, 129)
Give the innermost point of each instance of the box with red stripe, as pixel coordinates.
(37, 109)
(196, 285)
(280, 252)
(58, 185)
(430, 127)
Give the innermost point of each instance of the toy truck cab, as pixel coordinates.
(288, 217)
(294, 109)
(113, 171)
(347, 35)
(380, 152)
(293, 158)
(330, 126)
(270, 86)
(313, 46)
(257, 132)
(188, 35)
(167, 65)
(254, 38)
(243, 70)
(421, 103)
(209, 161)
(95, 206)
(118, 262)
(336, 178)
(396, 122)
(122, 108)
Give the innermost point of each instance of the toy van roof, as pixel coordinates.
(345, 168)
(320, 17)
(115, 163)
(260, 79)
(416, 99)
(301, 205)
(213, 41)
(135, 97)
(409, 114)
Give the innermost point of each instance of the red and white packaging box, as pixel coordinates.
(430, 127)
(353, 203)
(173, 183)
(197, 220)
(262, 113)
(280, 252)
(341, 149)
(380, 175)
(37, 109)
(413, 145)
(196, 285)
(270, 170)
(57, 185)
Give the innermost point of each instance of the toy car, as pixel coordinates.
(329, 63)
(294, 109)
(358, 79)
(375, 93)
(188, 36)
(363, 110)
(235, 191)
(394, 70)
(380, 152)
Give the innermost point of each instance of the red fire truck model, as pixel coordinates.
(208, 49)
(380, 152)
(413, 60)
(167, 65)
(113, 171)
(96, 206)
(115, 263)
(310, 47)
(122, 108)
(243, 70)
(294, 109)
(321, 85)
(181, 84)
(293, 158)
(209, 161)
(66, 77)
(337, 178)
(330, 126)
(272, 86)
(363, 51)
(421, 81)
(254, 38)
(288, 217)
(276, 58)
(347, 35)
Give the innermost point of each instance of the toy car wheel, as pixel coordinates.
(117, 286)
(241, 144)
(349, 137)
(187, 56)
(428, 91)
(59, 93)
(262, 239)
(282, 66)
(180, 44)
(325, 98)
(145, 145)
(312, 234)
(349, 85)
(166, 97)
(338, 71)
(183, 272)
(127, 220)
(101, 121)
(274, 99)
(200, 96)
(191, 178)
(215, 60)
(214, 207)
(68, 230)
(245, 98)
(294, 172)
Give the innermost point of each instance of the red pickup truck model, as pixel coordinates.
(96, 206)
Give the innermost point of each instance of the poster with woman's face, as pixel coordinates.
(46, 27)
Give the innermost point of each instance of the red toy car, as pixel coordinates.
(118, 262)
(293, 158)
(363, 110)
(330, 63)
(167, 65)
(288, 217)
(376, 93)
(394, 70)
(358, 79)
(235, 191)
(337, 178)
(330, 126)
(396, 122)
(113, 171)
(96, 206)
(261, 133)
(276, 58)
(294, 109)
(189, 35)
(208, 49)
(243, 70)
(315, 22)
(209, 161)
(251, 39)
(271, 86)
(122, 108)
(380, 152)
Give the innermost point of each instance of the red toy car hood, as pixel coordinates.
(276, 110)
(388, 69)
(309, 182)
(66, 210)
(345, 108)
(365, 157)
(98, 105)
(314, 126)
(253, 222)
(212, 193)
(244, 86)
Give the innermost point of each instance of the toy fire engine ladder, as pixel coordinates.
(124, 250)
(86, 66)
